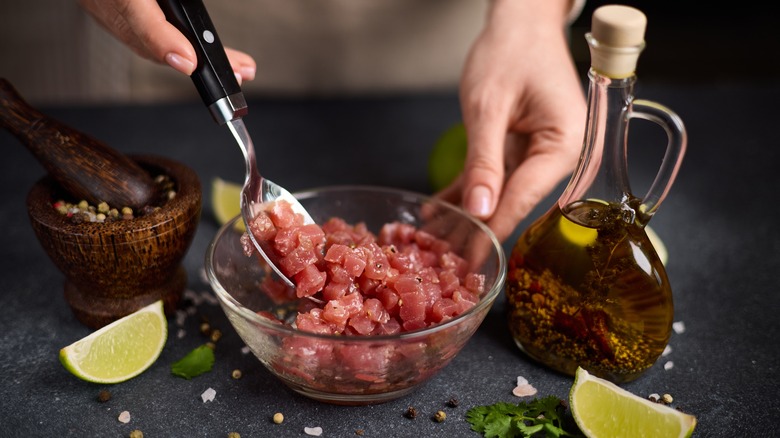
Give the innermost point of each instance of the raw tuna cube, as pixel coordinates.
(309, 281)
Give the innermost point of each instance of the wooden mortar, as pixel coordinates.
(114, 268)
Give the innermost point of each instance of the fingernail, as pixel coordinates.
(238, 78)
(479, 201)
(180, 63)
(248, 72)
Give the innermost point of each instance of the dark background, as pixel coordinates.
(695, 42)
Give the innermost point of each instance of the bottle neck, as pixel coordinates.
(602, 171)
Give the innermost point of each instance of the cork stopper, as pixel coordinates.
(616, 38)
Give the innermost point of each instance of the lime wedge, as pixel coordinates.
(602, 409)
(446, 160)
(226, 201)
(121, 350)
(658, 244)
(576, 233)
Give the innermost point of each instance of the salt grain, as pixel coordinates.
(245, 350)
(124, 417)
(208, 395)
(523, 388)
(181, 316)
(678, 327)
(192, 296)
(180, 334)
(668, 365)
(524, 391)
(667, 351)
(313, 431)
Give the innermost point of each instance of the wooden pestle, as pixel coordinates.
(85, 167)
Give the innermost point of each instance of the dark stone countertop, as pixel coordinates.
(718, 223)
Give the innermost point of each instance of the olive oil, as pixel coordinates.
(586, 288)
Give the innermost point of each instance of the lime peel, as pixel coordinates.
(226, 201)
(447, 157)
(120, 350)
(602, 409)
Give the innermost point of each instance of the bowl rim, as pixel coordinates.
(487, 299)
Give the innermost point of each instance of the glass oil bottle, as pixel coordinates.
(585, 286)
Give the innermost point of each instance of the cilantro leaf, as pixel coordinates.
(195, 363)
(524, 419)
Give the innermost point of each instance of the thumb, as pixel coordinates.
(483, 171)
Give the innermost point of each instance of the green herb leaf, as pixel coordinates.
(195, 363)
(525, 419)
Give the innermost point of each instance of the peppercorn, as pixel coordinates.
(411, 412)
(216, 334)
(453, 402)
(360, 432)
(103, 396)
(278, 418)
(205, 328)
(439, 416)
(136, 434)
(236, 374)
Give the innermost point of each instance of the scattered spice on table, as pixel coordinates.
(136, 434)
(523, 388)
(234, 435)
(439, 416)
(124, 417)
(313, 431)
(208, 395)
(104, 395)
(410, 413)
(236, 374)
(453, 402)
(278, 418)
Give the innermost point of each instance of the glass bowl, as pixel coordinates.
(354, 369)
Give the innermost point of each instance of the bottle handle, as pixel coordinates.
(675, 150)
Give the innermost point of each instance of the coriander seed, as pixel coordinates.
(236, 374)
(278, 418)
(216, 335)
(667, 399)
(234, 435)
(103, 396)
(411, 412)
(439, 416)
(136, 434)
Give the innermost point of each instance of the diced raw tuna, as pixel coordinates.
(400, 280)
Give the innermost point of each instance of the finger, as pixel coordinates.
(242, 63)
(526, 187)
(141, 25)
(483, 171)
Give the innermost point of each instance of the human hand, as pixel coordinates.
(524, 111)
(141, 25)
